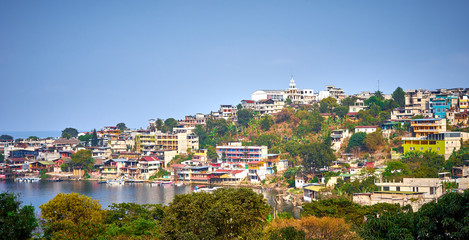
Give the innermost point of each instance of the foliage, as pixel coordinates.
(33, 138)
(72, 216)
(326, 105)
(341, 111)
(288, 101)
(121, 126)
(266, 140)
(2, 158)
(389, 225)
(82, 158)
(161, 172)
(310, 228)
(284, 115)
(399, 96)
(65, 167)
(424, 164)
(212, 153)
(85, 138)
(133, 220)
(94, 139)
(348, 101)
(395, 170)
(457, 158)
(316, 155)
(202, 134)
(6, 137)
(69, 133)
(357, 141)
(311, 123)
(244, 117)
(223, 214)
(169, 124)
(357, 185)
(379, 95)
(16, 222)
(266, 122)
(374, 140)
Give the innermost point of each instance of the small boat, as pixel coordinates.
(27, 179)
(179, 184)
(167, 183)
(114, 182)
(155, 183)
(102, 182)
(203, 188)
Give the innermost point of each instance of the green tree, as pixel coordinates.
(266, 140)
(239, 106)
(72, 216)
(159, 124)
(33, 138)
(94, 139)
(341, 111)
(6, 137)
(357, 141)
(83, 159)
(69, 133)
(212, 153)
(389, 225)
(226, 213)
(170, 123)
(244, 117)
(65, 167)
(266, 122)
(202, 134)
(348, 101)
(85, 138)
(121, 126)
(374, 140)
(288, 101)
(399, 96)
(379, 95)
(16, 221)
(2, 158)
(326, 105)
(316, 155)
(395, 170)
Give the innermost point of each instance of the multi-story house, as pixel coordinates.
(257, 171)
(443, 143)
(110, 133)
(276, 95)
(192, 121)
(424, 127)
(417, 102)
(357, 106)
(228, 112)
(441, 103)
(146, 144)
(236, 154)
(464, 103)
(299, 96)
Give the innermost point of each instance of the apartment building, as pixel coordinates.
(236, 154)
(417, 102)
(424, 127)
(443, 143)
(192, 121)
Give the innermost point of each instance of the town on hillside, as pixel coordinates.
(407, 147)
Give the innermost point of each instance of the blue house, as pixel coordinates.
(441, 104)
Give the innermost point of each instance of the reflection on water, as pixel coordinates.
(38, 193)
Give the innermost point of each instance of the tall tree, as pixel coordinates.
(244, 117)
(266, 122)
(357, 141)
(379, 95)
(16, 221)
(69, 132)
(83, 159)
(399, 96)
(170, 123)
(94, 139)
(32, 138)
(121, 126)
(316, 155)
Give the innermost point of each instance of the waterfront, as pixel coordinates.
(37, 193)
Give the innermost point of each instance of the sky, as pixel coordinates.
(90, 64)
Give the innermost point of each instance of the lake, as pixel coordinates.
(37, 193)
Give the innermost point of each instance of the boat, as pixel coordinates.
(115, 182)
(179, 184)
(167, 183)
(102, 182)
(203, 188)
(27, 179)
(155, 183)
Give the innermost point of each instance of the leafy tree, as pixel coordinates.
(284, 115)
(69, 133)
(94, 139)
(121, 126)
(288, 101)
(389, 225)
(239, 106)
(131, 220)
(341, 111)
(457, 158)
(170, 123)
(379, 95)
(83, 159)
(212, 153)
(266, 122)
(395, 170)
(33, 138)
(266, 140)
(202, 134)
(373, 140)
(6, 137)
(2, 158)
(72, 216)
(85, 138)
(16, 222)
(399, 96)
(65, 167)
(159, 124)
(348, 101)
(357, 186)
(244, 117)
(424, 164)
(226, 213)
(326, 105)
(357, 141)
(316, 155)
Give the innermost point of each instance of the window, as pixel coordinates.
(385, 188)
(432, 190)
(398, 189)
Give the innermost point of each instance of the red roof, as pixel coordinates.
(249, 101)
(18, 159)
(178, 165)
(149, 159)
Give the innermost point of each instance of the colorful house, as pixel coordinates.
(441, 143)
(257, 171)
(424, 127)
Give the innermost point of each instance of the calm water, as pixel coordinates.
(41, 192)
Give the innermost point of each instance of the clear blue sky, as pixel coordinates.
(89, 64)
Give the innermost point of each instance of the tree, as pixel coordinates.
(69, 133)
(16, 221)
(348, 101)
(85, 138)
(202, 134)
(159, 124)
(6, 138)
(83, 159)
(33, 138)
(170, 123)
(379, 95)
(244, 117)
(357, 141)
(316, 155)
(341, 111)
(266, 122)
(266, 140)
(326, 105)
(72, 216)
(288, 101)
(373, 140)
(399, 96)
(94, 139)
(2, 158)
(121, 126)
(395, 170)
(65, 167)
(226, 213)
(212, 153)
(239, 106)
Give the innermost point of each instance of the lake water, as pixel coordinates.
(38, 193)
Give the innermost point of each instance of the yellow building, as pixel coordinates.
(424, 127)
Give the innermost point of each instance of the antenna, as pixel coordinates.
(378, 85)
